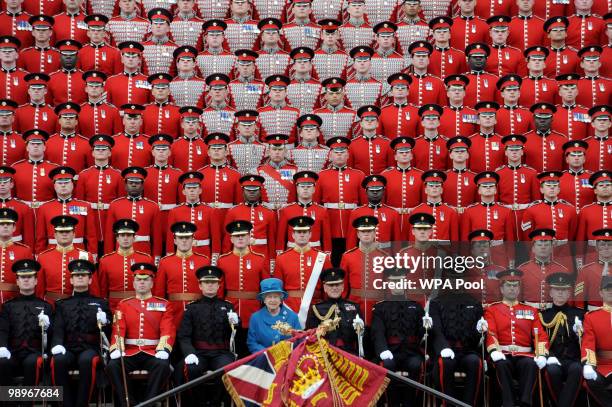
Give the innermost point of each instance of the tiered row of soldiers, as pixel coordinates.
(185, 301)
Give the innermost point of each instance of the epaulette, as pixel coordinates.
(223, 255)
(143, 253)
(126, 299)
(501, 167)
(257, 253)
(46, 202)
(563, 201)
(148, 200)
(107, 254)
(160, 298)
(21, 244)
(285, 251)
(47, 250)
(534, 203)
(166, 256)
(351, 250)
(472, 205)
(118, 199)
(494, 303)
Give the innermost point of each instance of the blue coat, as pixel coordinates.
(261, 335)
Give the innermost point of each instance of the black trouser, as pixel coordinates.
(598, 388)
(467, 362)
(208, 360)
(27, 363)
(61, 364)
(525, 370)
(412, 363)
(564, 381)
(338, 249)
(158, 369)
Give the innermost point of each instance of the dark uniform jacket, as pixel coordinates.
(454, 322)
(397, 326)
(344, 336)
(559, 323)
(19, 328)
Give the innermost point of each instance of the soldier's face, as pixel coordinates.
(35, 150)
(575, 161)
(277, 154)
(240, 8)
(477, 62)
(536, 64)
(362, 66)
(606, 295)
(559, 295)
(366, 236)
(101, 154)
(385, 41)
(601, 124)
(302, 66)
(94, 92)
(130, 61)
(218, 95)
(604, 249)
(459, 155)
(192, 193)
(514, 155)
(41, 36)
(246, 71)
(67, 123)
(430, 123)
(542, 249)
(499, 37)
(590, 65)
(6, 230)
(240, 241)
(305, 191)
(510, 292)
(68, 61)
(420, 61)
(356, 10)
(8, 56)
(433, 190)
(134, 188)
(13, 4)
(183, 243)
(411, 9)
(64, 237)
(160, 94)
(375, 195)
(63, 188)
(467, 6)
(159, 29)
(301, 237)
(209, 288)
(422, 234)
(161, 155)
(568, 93)
(247, 130)
(72, 4)
(127, 6)
(333, 290)
(339, 158)
(403, 157)
(524, 5)
(214, 40)
(441, 36)
(270, 38)
(310, 135)
(480, 248)
(131, 123)
(557, 34)
(96, 36)
(455, 94)
(6, 120)
(251, 195)
(487, 121)
(511, 96)
(217, 154)
(583, 4)
(278, 95)
(330, 39)
(301, 10)
(185, 64)
(143, 286)
(185, 6)
(334, 98)
(80, 282)
(190, 127)
(550, 191)
(399, 92)
(6, 185)
(369, 125)
(603, 189)
(125, 240)
(26, 284)
(487, 190)
(37, 95)
(542, 123)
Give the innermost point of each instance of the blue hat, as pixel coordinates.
(271, 285)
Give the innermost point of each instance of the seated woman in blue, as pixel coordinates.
(261, 334)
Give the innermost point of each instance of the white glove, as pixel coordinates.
(447, 353)
(161, 354)
(577, 325)
(43, 320)
(116, 354)
(482, 325)
(497, 356)
(427, 321)
(553, 361)
(191, 359)
(57, 349)
(101, 316)
(386, 355)
(540, 361)
(232, 317)
(5, 353)
(589, 373)
(358, 323)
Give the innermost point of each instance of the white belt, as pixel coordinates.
(95, 205)
(198, 243)
(17, 238)
(560, 242)
(591, 242)
(330, 205)
(269, 205)
(515, 348)
(384, 245)
(142, 238)
(256, 242)
(33, 204)
(312, 244)
(497, 242)
(167, 207)
(402, 211)
(142, 342)
(538, 305)
(516, 207)
(75, 240)
(220, 205)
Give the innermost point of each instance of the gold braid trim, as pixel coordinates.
(327, 316)
(558, 321)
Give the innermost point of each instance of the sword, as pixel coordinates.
(119, 346)
(233, 341)
(535, 331)
(485, 368)
(43, 356)
(359, 331)
(580, 333)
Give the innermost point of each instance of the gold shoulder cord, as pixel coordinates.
(559, 320)
(327, 316)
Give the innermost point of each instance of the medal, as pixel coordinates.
(15, 81)
(473, 29)
(560, 213)
(552, 145)
(108, 179)
(312, 215)
(442, 216)
(49, 58)
(383, 217)
(495, 215)
(519, 118)
(486, 82)
(522, 178)
(44, 116)
(261, 216)
(198, 150)
(602, 88)
(11, 255)
(103, 113)
(191, 265)
(309, 262)
(248, 264)
(450, 59)
(590, 25)
(507, 55)
(428, 86)
(73, 146)
(42, 172)
(565, 59)
(13, 143)
(199, 215)
(544, 87)
(167, 178)
(347, 177)
(377, 149)
(103, 55)
(224, 177)
(411, 180)
(141, 209)
(407, 116)
(466, 182)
